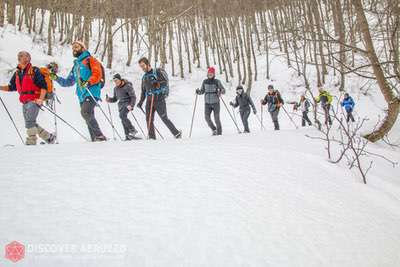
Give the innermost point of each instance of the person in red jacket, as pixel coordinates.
(32, 88)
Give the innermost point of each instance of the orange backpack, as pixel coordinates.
(46, 74)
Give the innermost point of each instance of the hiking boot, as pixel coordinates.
(214, 133)
(178, 135)
(100, 138)
(52, 139)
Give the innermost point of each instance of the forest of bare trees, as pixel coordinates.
(340, 37)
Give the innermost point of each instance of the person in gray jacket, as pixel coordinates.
(212, 89)
(244, 102)
(304, 106)
(125, 95)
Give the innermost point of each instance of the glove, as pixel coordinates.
(198, 91)
(139, 105)
(84, 84)
(129, 107)
(262, 101)
(254, 111)
(107, 99)
(53, 76)
(39, 102)
(231, 103)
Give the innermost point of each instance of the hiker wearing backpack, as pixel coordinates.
(348, 104)
(88, 75)
(155, 89)
(244, 102)
(125, 95)
(32, 88)
(325, 98)
(212, 89)
(275, 102)
(304, 106)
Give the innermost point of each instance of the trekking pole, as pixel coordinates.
(262, 117)
(158, 132)
(194, 111)
(234, 114)
(12, 120)
(262, 126)
(290, 117)
(68, 124)
(105, 115)
(138, 124)
(227, 109)
(55, 118)
(109, 112)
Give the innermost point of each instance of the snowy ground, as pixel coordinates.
(265, 199)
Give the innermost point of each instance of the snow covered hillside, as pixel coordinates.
(264, 199)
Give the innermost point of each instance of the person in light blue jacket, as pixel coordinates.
(87, 74)
(348, 104)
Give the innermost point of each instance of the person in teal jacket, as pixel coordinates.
(86, 74)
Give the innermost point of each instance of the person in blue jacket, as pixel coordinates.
(348, 104)
(87, 75)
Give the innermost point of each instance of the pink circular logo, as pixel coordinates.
(15, 251)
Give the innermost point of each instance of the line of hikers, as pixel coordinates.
(35, 87)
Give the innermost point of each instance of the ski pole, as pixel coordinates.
(227, 109)
(150, 116)
(55, 118)
(262, 126)
(138, 124)
(234, 115)
(194, 111)
(158, 132)
(109, 112)
(105, 115)
(12, 120)
(290, 117)
(262, 117)
(68, 124)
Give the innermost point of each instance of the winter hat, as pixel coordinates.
(211, 70)
(80, 43)
(25, 53)
(117, 76)
(270, 86)
(239, 88)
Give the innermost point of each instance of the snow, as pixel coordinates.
(264, 199)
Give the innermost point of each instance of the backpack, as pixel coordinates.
(103, 73)
(46, 74)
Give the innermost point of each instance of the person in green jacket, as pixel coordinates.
(325, 98)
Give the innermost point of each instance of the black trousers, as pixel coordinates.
(87, 112)
(350, 116)
(126, 123)
(208, 109)
(305, 119)
(157, 103)
(328, 118)
(244, 115)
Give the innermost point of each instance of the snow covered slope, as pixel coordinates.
(226, 201)
(265, 199)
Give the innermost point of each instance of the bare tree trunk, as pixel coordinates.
(390, 97)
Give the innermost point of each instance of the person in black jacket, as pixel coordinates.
(155, 89)
(275, 102)
(244, 102)
(125, 95)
